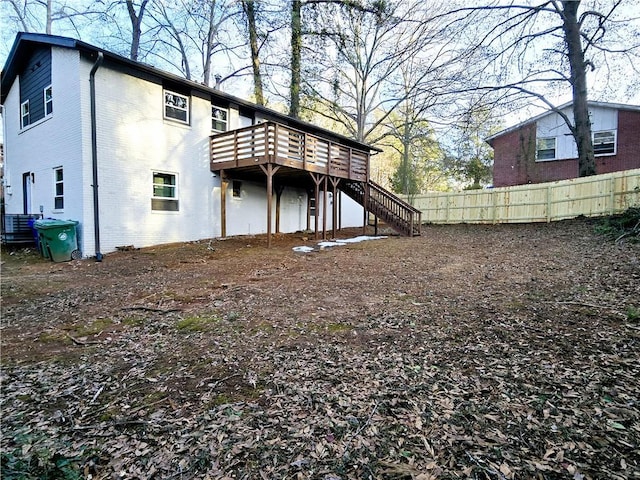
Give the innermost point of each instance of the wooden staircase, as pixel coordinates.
(395, 212)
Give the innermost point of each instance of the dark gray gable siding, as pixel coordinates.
(35, 77)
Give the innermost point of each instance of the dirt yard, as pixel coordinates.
(472, 352)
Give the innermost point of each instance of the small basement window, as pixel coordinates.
(165, 192)
(546, 148)
(176, 106)
(604, 142)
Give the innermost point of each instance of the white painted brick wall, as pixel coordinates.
(134, 140)
(53, 142)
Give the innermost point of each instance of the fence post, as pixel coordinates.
(494, 201)
(446, 215)
(612, 198)
(549, 204)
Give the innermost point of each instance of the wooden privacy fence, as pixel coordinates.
(606, 194)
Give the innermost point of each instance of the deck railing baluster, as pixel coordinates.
(288, 146)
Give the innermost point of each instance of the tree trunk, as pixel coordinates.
(208, 49)
(406, 168)
(49, 17)
(582, 124)
(250, 12)
(296, 52)
(136, 28)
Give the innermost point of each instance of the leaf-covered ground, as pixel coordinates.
(474, 352)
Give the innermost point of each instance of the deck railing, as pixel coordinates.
(271, 142)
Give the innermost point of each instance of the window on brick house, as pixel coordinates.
(165, 192)
(58, 199)
(48, 100)
(546, 148)
(604, 142)
(219, 119)
(25, 117)
(176, 106)
(312, 205)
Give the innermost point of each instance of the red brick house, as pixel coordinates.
(543, 150)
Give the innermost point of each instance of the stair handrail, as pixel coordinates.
(396, 199)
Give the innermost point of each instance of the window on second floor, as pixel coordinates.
(546, 148)
(58, 199)
(176, 106)
(165, 192)
(604, 142)
(25, 117)
(219, 119)
(48, 100)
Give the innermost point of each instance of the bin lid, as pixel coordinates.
(53, 223)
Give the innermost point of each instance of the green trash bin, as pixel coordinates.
(58, 239)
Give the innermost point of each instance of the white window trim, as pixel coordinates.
(615, 142)
(226, 110)
(44, 94)
(164, 107)
(176, 191)
(555, 149)
(55, 190)
(22, 115)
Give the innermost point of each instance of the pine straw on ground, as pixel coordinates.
(480, 352)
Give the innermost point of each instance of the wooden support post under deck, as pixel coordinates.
(340, 212)
(317, 180)
(365, 202)
(223, 204)
(269, 171)
(317, 197)
(309, 193)
(279, 190)
(334, 185)
(324, 210)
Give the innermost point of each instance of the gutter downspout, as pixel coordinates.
(94, 154)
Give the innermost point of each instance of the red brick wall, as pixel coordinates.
(514, 155)
(510, 153)
(628, 148)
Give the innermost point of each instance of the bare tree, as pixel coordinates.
(574, 36)
(40, 15)
(193, 29)
(249, 10)
(407, 132)
(296, 54)
(171, 35)
(361, 77)
(470, 158)
(136, 26)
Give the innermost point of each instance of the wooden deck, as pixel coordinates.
(281, 156)
(277, 144)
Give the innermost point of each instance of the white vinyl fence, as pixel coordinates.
(543, 202)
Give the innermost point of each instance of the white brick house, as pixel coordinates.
(148, 142)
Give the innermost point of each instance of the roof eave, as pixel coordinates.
(23, 39)
(617, 106)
